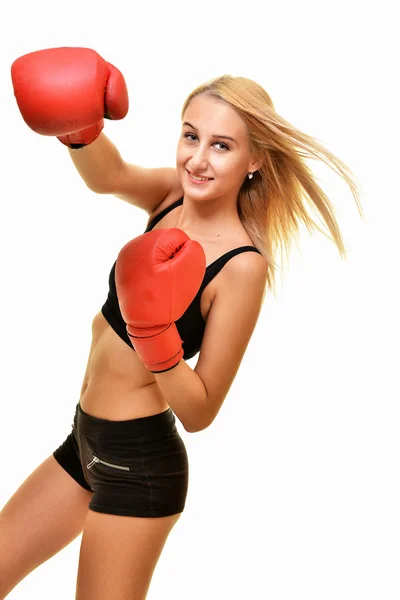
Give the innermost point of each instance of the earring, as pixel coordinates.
(250, 175)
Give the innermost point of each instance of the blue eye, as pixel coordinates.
(188, 134)
(192, 137)
(224, 146)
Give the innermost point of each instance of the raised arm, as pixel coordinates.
(67, 93)
(105, 172)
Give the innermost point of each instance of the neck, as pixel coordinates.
(211, 219)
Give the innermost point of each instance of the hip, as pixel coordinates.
(130, 451)
(136, 467)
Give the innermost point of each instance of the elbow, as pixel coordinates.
(195, 428)
(206, 417)
(191, 428)
(98, 188)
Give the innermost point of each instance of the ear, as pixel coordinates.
(255, 164)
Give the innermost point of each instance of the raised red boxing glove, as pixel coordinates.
(67, 92)
(157, 276)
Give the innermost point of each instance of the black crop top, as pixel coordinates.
(191, 325)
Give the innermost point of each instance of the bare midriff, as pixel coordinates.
(117, 386)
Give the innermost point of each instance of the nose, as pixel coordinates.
(198, 161)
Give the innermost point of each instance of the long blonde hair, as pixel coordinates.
(272, 204)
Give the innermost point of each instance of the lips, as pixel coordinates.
(199, 178)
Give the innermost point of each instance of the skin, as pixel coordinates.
(50, 509)
(211, 207)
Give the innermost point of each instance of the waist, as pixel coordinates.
(116, 384)
(160, 423)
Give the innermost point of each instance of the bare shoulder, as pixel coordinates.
(241, 285)
(246, 271)
(247, 262)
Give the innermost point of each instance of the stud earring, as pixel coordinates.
(250, 175)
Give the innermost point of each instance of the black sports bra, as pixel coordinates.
(191, 325)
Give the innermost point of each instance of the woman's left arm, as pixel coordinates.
(196, 396)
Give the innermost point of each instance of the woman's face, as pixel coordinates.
(213, 154)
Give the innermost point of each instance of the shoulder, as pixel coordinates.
(240, 291)
(249, 261)
(247, 269)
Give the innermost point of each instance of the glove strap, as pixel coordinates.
(80, 139)
(160, 350)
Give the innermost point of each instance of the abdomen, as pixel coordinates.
(116, 385)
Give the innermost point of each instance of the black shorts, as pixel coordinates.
(134, 468)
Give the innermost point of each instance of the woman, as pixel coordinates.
(238, 192)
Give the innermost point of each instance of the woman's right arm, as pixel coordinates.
(105, 172)
(67, 93)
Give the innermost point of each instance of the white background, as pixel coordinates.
(294, 489)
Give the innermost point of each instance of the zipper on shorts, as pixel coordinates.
(96, 459)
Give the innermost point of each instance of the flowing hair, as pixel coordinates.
(272, 204)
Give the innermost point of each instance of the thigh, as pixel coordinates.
(119, 554)
(138, 471)
(44, 515)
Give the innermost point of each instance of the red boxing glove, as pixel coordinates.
(157, 276)
(67, 92)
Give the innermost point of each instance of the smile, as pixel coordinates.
(198, 179)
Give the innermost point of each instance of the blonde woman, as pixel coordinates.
(194, 282)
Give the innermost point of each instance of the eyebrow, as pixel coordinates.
(224, 137)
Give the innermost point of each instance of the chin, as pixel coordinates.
(196, 192)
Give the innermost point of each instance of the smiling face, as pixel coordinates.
(213, 155)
